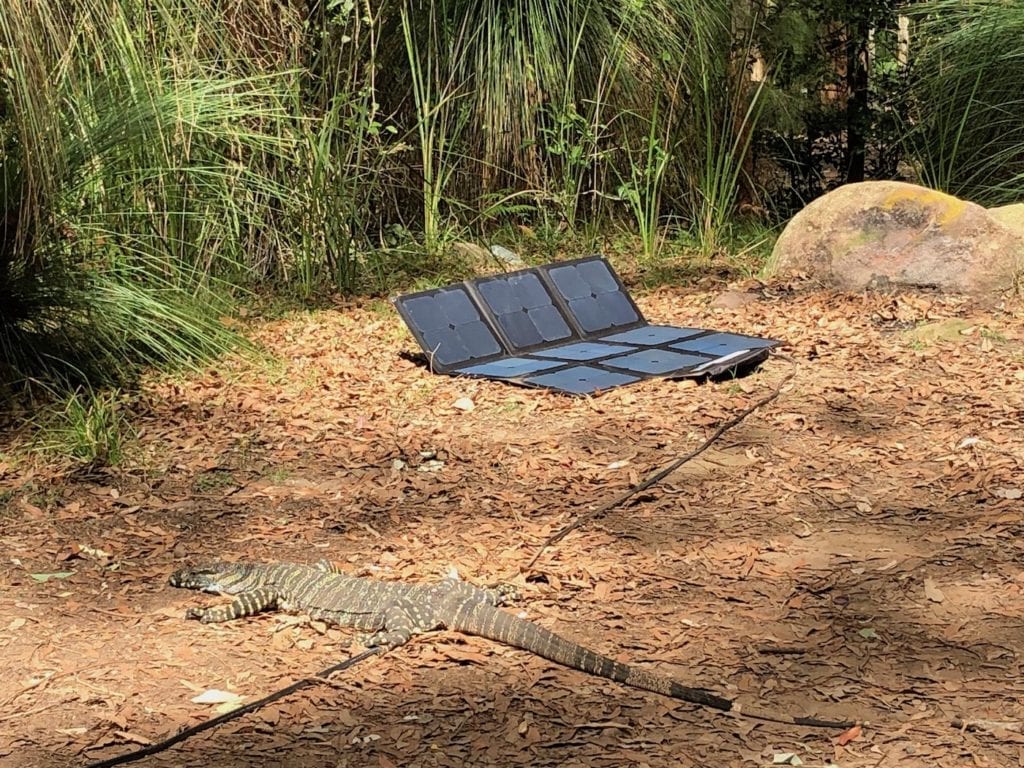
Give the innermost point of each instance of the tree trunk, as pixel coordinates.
(858, 114)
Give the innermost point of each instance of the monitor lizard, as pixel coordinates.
(394, 611)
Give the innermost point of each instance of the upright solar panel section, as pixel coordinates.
(570, 327)
(524, 309)
(594, 296)
(449, 327)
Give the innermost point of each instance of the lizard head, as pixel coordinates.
(210, 577)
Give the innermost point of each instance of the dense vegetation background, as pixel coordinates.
(159, 158)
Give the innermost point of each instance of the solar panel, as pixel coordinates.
(524, 309)
(655, 361)
(570, 327)
(449, 327)
(581, 380)
(593, 295)
(583, 350)
(720, 344)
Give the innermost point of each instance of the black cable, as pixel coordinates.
(160, 746)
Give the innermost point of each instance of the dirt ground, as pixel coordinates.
(853, 549)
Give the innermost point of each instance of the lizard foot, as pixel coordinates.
(505, 594)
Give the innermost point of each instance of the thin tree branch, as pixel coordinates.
(160, 746)
(660, 475)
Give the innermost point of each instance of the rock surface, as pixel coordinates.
(1011, 216)
(889, 234)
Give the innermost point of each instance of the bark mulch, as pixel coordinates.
(851, 549)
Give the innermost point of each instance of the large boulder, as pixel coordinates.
(881, 234)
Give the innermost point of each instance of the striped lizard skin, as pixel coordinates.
(394, 611)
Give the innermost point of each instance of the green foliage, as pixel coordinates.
(87, 426)
(120, 168)
(829, 102)
(643, 189)
(966, 127)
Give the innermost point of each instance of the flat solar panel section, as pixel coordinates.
(583, 350)
(510, 367)
(722, 344)
(448, 326)
(524, 309)
(653, 335)
(581, 380)
(655, 362)
(594, 295)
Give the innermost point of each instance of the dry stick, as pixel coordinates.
(660, 474)
(160, 746)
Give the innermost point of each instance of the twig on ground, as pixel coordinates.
(160, 746)
(660, 475)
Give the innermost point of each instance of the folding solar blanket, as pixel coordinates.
(569, 326)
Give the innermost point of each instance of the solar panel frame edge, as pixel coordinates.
(556, 294)
(447, 368)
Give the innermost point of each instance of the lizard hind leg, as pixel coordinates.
(401, 622)
(504, 594)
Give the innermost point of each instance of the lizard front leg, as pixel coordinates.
(245, 604)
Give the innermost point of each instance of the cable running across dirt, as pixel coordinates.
(160, 746)
(661, 474)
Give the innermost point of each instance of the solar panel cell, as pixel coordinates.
(598, 274)
(581, 380)
(655, 361)
(719, 344)
(652, 335)
(584, 350)
(451, 345)
(510, 367)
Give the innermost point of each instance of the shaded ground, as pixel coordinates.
(852, 549)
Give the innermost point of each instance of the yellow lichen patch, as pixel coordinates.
(945, 207)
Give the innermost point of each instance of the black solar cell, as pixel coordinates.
(719, 344)
(593, 295)
(449, 327)
(583, 350)
(581, 380)
(655, 361)
(652, 335)
(510, 367)
(524, 309)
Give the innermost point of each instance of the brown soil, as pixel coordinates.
(852, 549)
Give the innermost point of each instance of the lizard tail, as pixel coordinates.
(495, 624)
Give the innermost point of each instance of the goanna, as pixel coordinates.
(394, 611)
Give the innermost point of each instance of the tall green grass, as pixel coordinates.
(121, 168)
(156, 156)
(966, 126)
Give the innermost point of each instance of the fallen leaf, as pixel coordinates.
(215, 696)
(848, 735)
(786, 758)
(932, 591)
(1008, 493)
(464, 404)
(43, 577)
